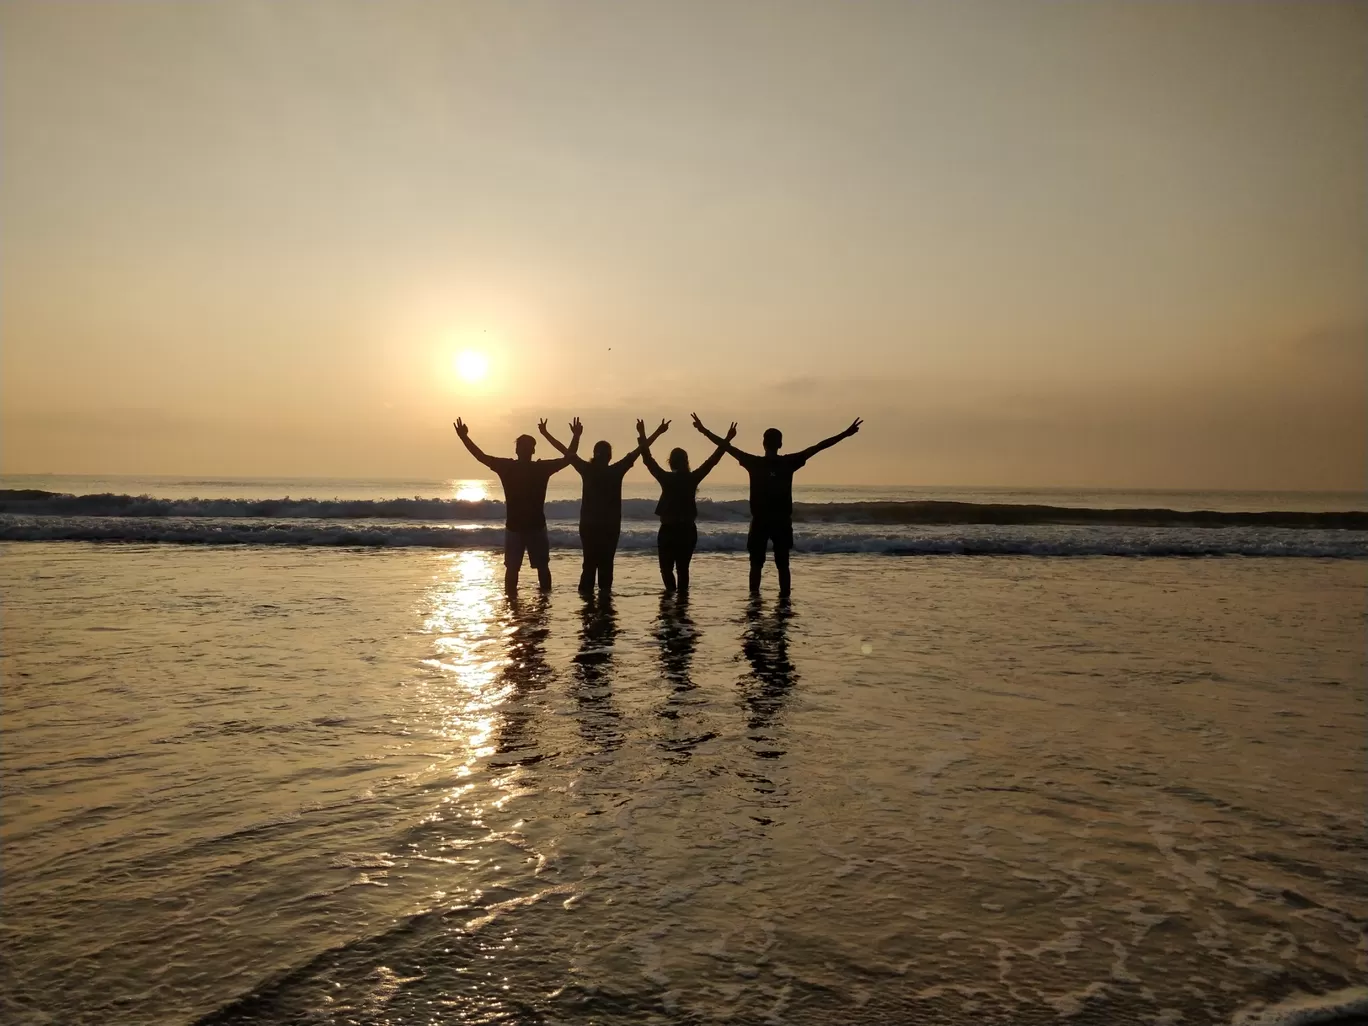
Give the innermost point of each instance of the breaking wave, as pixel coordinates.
(932, 539)
(38, 503)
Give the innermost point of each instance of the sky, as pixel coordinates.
(1056, 244)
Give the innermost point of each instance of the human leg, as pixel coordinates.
(665, 552)
(600, 545)
(589, 551)
(539, 556)
(781, 563)
(607, 552)
(514, 546)
(756, 539)
(783, 542)
(684, 555)
(757, 567)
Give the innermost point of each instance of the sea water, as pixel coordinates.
(638, 484)
(349, 784)
(468, 514)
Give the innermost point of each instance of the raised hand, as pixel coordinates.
(641, 428)
(461, 428)
(698, 423)
(731, 432)
(855, 426)
(541, 426)
(664, 426)
(576, 428)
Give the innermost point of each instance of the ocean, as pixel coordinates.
(281, 752)
(468, 514)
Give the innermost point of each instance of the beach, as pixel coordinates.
(1030, 339)
(340, 783)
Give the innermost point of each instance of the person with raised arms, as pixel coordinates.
(524, 484)
(771, 496)
(600, 507)
(678, 506)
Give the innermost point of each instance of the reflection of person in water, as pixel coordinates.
(764, 642)
(678, 638)
(524, 485)
(593, 673)
(678, 506)
(528, 672)
(771, 496)
(600, 507)
(772, 676)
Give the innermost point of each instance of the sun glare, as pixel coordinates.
(470, 490)
(472, 366)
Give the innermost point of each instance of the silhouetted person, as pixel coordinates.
(771, 497)
(678, 506)
(600, 507)
(524, 485)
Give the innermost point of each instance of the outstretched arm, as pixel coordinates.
(463, 432)
(707, 465)
(725, 443)
(827, 443)
(643, 444)
(570, 452)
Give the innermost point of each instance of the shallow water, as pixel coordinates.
(327, 785)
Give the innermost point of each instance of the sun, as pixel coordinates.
(472, 365)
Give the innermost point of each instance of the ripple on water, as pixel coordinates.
(361, 787)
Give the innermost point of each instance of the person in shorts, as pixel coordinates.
(771, 497)
(524, 485)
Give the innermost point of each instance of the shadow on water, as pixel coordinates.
(592, 675)
(765, 688)
(527, 673)
(677, 637)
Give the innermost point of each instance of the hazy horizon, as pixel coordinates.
(1081, 245)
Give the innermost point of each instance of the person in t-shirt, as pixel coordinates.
(524, 484)
(678, 506)
(600, 508)
(771, 497)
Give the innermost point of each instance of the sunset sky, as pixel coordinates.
(1033, 244)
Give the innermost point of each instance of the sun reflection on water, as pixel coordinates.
(465, 605)
(479, 694)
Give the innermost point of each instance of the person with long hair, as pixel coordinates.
(678, 506)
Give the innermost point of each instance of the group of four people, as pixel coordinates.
(524, 483)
